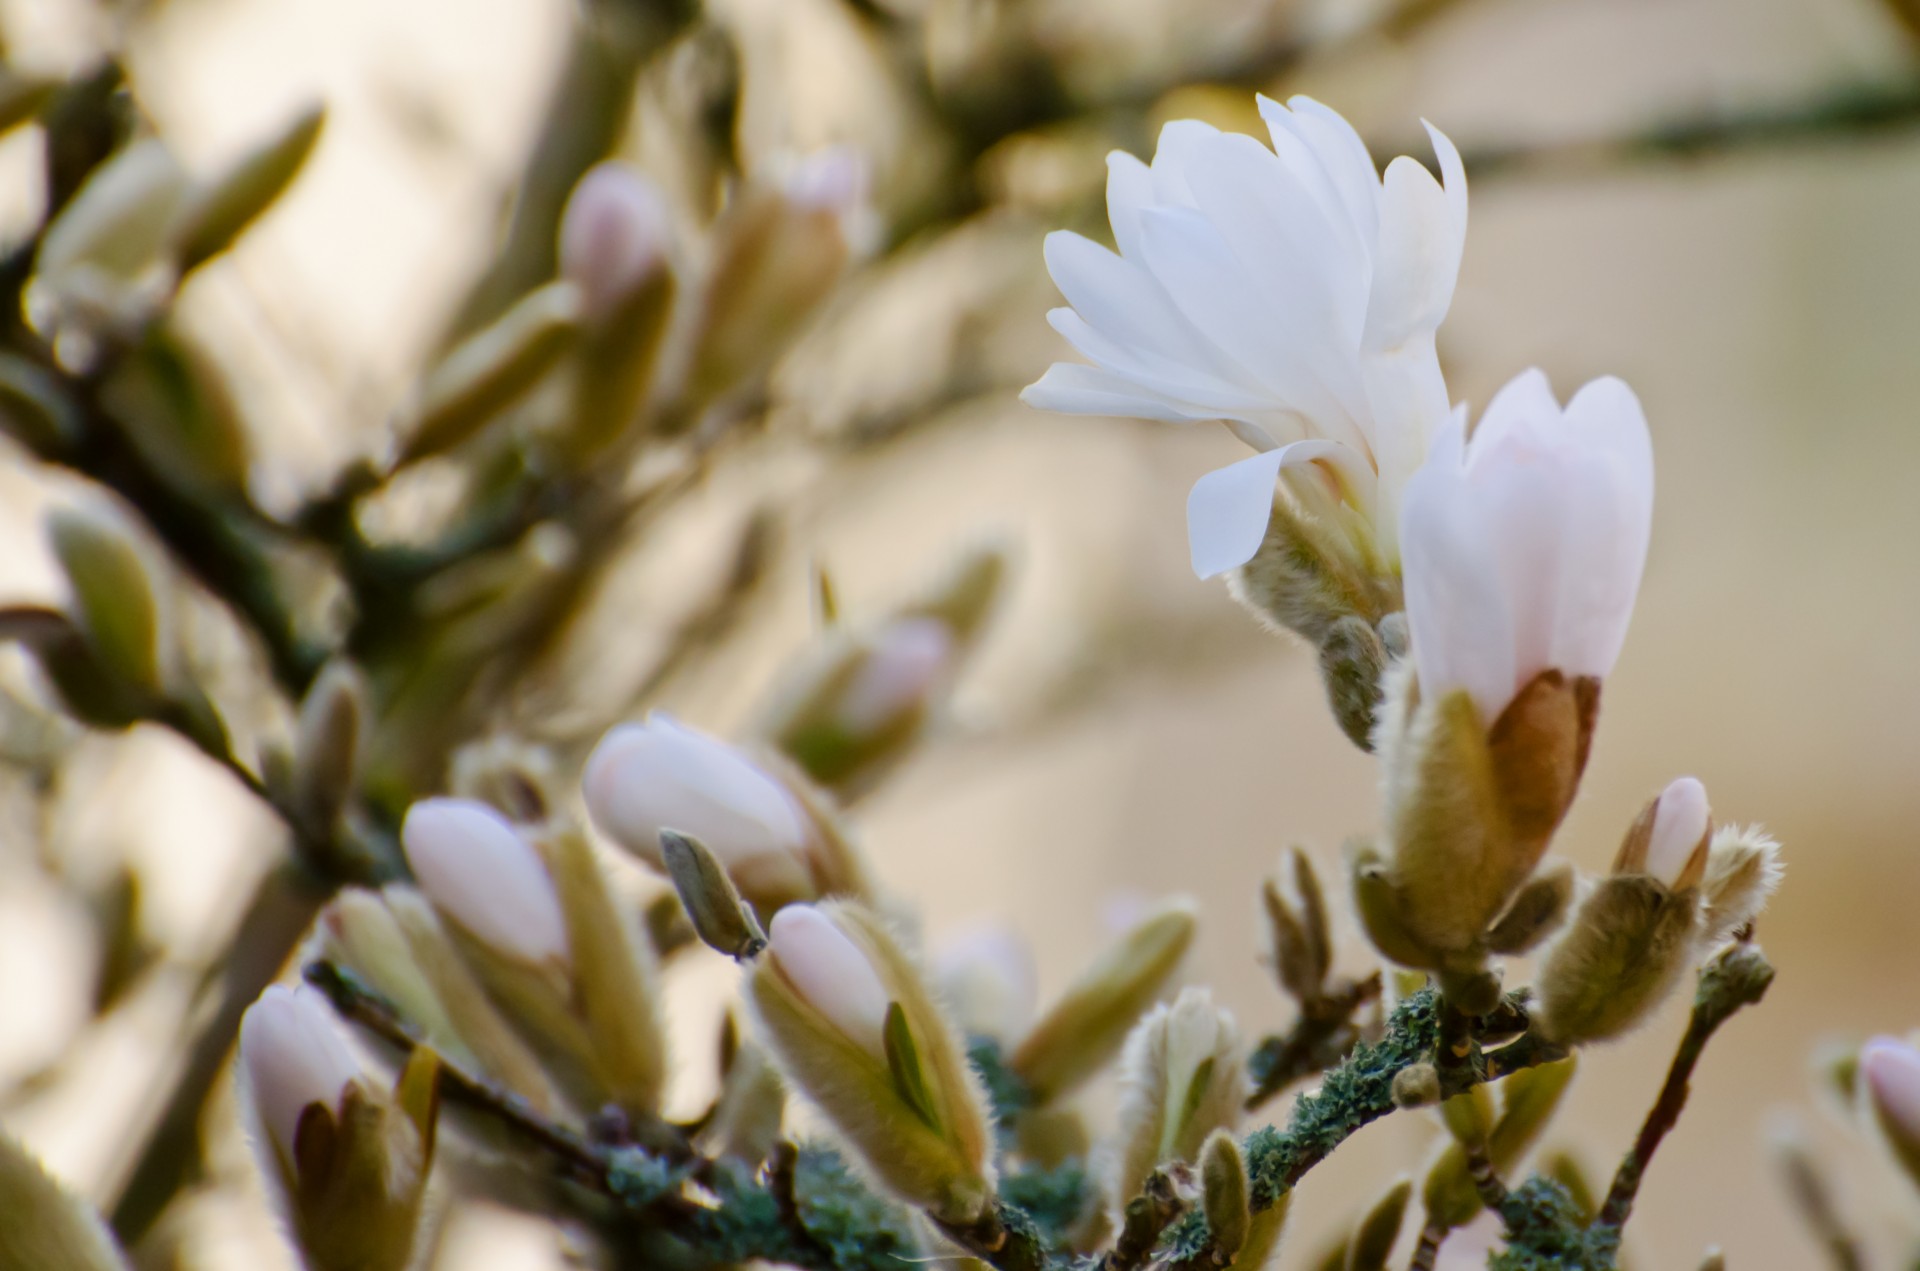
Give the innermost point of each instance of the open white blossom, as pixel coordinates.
(1292, 292)
(1522, 545)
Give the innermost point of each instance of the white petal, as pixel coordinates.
(1681, 819)
(1129, 189)
(476, 868)
(830, 973)
(1417, 259)
(1525, 398)
(1209, 285)
(1341, 152)
(293, 1055)
(1072, 389)
(1407, 399)
(1160, 376)
(1601, 579)
(1458, 610)
(1228, 508)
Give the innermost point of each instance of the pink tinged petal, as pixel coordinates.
(476, 868)
(1681, 819)
(1459, 610)
(830, 973)
(909, 659)
(1524, 399)
(1417, 259)
(661, 775)
(1606, 423)
(1229, 508)
(1891, 1069)
(293, 1055)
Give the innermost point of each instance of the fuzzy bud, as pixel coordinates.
(1224, 1197)
(719, 917)
(1300, 942)
(1090, 1022)
(478, 871)
(1416, 1086)
(851, 1022)
(1619, 958)
(1183, 1080)
(1890, 1083)
(350, 1161)
(1743, 870)
(613, 235)
(329, 738)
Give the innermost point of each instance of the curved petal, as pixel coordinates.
(1417, 258)
(1072, 389)
(1129, 189)
(1229, 508)
(1341, 152)
(1123, 301)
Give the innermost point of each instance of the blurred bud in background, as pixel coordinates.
(777, 846)
(1182, 1079)
(986, 975)
(858, 705)
(350, 1161)
(1890, 1092)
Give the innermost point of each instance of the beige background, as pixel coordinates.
(1129, 731)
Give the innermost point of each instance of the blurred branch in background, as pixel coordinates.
(591, 384)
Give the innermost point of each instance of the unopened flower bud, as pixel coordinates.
(120, 219)
(328, 740)
(851, 1022)
(1890, 1072)
(660, 775)
(1300, 943)
(491, 369)
(718, 915)
(477, 870)
(1619, 957)
(613, 235)
(1743, 870)
(1669, 840)
(350, 1161)
(1416, 1086)
(1224, 1197)
(1373, 1240)
(118, 599)
(1088, 1025)
(217, 213)
(1183, 1080)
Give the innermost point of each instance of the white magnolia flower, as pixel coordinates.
(1291, 292)
(1522, 546)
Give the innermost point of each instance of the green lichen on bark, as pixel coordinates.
(1545, 1231)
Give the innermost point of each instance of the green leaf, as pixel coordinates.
(903, 1061)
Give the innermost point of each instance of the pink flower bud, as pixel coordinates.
(643, 778)
(475, 868)
(831, 973)
(1891, 1070)
(613, 235)
(1522, 545)
(1681, 820)
(293, 1056)
(907, 660)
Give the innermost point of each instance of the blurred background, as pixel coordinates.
(1718, 200)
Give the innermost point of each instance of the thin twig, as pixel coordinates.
(1427, 1251)
(1738, 977)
